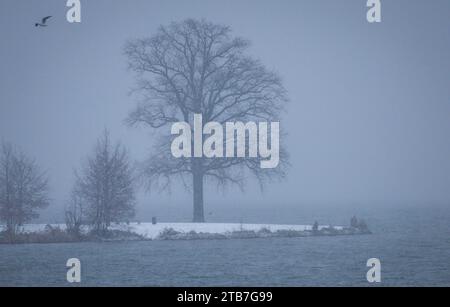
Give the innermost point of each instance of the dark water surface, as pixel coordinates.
(413, 246)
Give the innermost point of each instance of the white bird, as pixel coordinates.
(43, 22)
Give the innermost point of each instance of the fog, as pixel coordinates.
(367, 122)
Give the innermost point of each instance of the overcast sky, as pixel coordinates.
(368, 118)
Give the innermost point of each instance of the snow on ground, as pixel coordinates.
(150, 231)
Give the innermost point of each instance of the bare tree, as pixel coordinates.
(105, 187)
(196, 67)
(75, 213)
(23, 189)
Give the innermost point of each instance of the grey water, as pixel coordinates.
(412, 244)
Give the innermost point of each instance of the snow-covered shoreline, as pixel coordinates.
(163, 231)
(150, 231)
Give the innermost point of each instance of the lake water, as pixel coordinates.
(412, 244)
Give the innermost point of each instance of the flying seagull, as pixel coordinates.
(43, 22)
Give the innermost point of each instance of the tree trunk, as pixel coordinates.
(197, 178)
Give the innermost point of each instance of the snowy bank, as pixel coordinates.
(196, 231)
(150, 231)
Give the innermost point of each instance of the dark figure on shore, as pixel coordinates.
(315, 228)
(354, 222)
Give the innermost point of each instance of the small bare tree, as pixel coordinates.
(105, 186)
(23, 189)
(196, 67)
